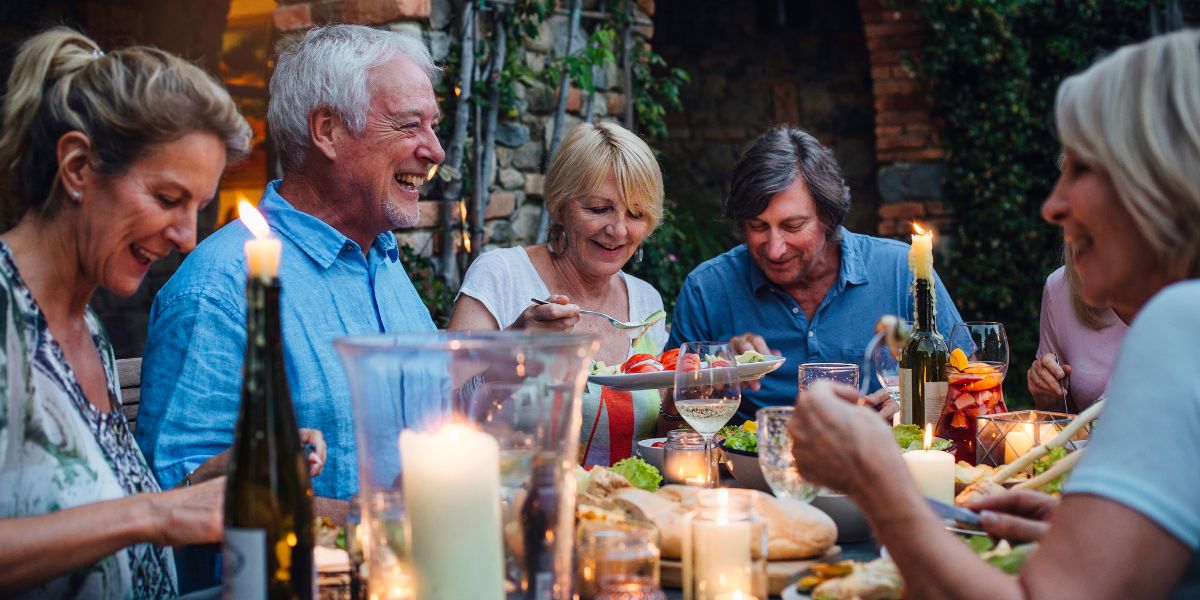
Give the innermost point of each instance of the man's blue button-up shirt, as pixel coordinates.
(729, 295)
(192, 369)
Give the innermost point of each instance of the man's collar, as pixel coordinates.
(316, 238)
(853, 270)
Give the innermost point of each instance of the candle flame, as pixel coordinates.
(457, 91)
(928, 435)
(253, 220)
(918, 229)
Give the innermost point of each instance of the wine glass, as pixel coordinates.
(976, 383)
(707, 389)
(775, 455)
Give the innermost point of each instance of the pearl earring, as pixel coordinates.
(76, 195)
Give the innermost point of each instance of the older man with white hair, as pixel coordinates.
(354, 118)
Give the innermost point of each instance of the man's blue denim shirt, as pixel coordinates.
(729, 295)
(192, 369)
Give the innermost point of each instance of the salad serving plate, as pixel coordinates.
(629, 382)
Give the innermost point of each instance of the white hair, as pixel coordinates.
(1136, 115)
(329, 67)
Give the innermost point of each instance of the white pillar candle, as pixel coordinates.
(722, 547)
(451, 482)
(1018, 441)
(262, 251)
(920, 256)
(933, 470)
(686, 465)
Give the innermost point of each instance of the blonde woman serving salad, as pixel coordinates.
(604, 193)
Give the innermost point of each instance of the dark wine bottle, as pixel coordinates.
(268, 546)
(923, 384)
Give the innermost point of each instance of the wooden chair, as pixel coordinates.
(129, 375)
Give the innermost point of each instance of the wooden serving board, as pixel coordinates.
(779, 572)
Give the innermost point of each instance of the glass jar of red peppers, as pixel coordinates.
(975, 372)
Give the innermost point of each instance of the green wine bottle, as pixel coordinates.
(268, 546)
(923, 384)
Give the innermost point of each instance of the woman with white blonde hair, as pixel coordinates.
(604, 193)
(1128, 523)
(105, 161)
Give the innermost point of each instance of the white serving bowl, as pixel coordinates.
(652, 454)
(851, 522)
(744, 466)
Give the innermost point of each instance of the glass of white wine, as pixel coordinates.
(707, 389)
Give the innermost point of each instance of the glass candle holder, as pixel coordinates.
(686, 459)
(618, 560)
(1004, 437)
(476, 435)
(725, 547)
(386, 547)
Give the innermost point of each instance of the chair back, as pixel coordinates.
(129, 375)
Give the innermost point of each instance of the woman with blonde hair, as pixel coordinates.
(1128, 523)
(105, 161)
(604, 193)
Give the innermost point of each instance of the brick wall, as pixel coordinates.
(907, 144)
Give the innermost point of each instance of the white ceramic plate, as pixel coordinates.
(666, 379)
(791, 592)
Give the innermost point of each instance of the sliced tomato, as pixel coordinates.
(688, 362)
(669, 359)
(718, 363)
(641, 363)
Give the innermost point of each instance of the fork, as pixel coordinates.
(1065, 383)
(619, 324)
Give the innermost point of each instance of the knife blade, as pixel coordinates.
(954, 513)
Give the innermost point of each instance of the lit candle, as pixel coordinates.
(920, 256)
(933, 469)
(722, 547)
(1018, 441)
(451, 482)
(736, 595)
(262, 251)
(687, 466)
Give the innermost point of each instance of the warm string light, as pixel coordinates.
(462, 215)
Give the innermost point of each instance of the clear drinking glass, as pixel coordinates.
(460, 428)
(707, 388)
(775, 455)
(840, 372)
(976, 388)
(618, 560)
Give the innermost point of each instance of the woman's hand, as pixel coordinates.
(316, 456)
(188, 515)
(558, 315)
(1016, 515)
(1044, 381)
(837, 443)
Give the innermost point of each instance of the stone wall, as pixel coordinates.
(802, 63)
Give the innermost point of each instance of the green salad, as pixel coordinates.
(1000, 554)
(912, 437)
(743, 438)
(1054, 486)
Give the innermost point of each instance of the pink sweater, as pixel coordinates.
(1090, 353)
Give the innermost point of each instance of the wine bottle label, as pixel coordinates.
(906, 404)
(935, 399)
(244, 563)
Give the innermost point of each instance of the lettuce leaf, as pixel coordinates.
(1040, 465)
(911, 437)
(639, 472)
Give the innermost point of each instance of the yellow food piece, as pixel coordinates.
(958, 359)
(978, 367)
(750, 426)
